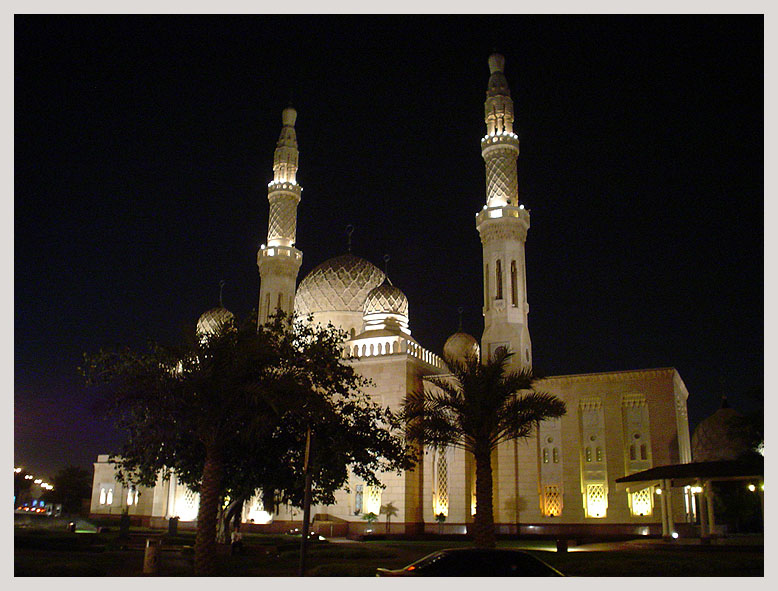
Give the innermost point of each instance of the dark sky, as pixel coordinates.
(144, 145)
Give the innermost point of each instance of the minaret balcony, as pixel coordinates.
(502, 211)
(289, 187)
(279, 251)
(500, 138)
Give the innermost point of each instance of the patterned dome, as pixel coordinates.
(386, 298)
(214, 318)
(338, 284)
(460, 346)
(714, 440)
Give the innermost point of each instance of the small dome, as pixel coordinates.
(214, 319)
(386, 298)
(713, 438)
(339, 284)
(461, 346)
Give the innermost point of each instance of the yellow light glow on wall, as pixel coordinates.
(640, 502)
(596, 501)
(373, 500)
(551, 501)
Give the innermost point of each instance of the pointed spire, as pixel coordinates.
(460, 310)
(221, 292)
(349, 232)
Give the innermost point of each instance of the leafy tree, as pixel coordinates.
(371, 518)
(71, 486)
(228, 413)
(476, 408)
(390, 511)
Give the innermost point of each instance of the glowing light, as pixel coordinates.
(262, 246)
(751, 487)
(658, 490)
(37, 481)
(696, 489)
(17, 470)
(495, 213)
(596, 500)
(521, 206)
(28, 476)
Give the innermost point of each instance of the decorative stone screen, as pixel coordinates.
(641, 502)
(440, 483)
(596, 500)
(551, 501)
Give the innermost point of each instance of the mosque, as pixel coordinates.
(560, 480)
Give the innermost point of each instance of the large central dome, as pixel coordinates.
(339, 284)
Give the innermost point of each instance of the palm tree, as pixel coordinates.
(477, 407)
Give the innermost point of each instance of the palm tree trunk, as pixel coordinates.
(483, 523)
(210, 494)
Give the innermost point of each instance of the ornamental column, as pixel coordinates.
(503, 225)
(278, 260)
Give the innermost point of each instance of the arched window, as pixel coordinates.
(545, 455)
(588, 454)
(643, 452)
(632, 453)
(278, 307)
(498, 278)
(514, 286)
(598, 454)
(486, 287)
(556, 455)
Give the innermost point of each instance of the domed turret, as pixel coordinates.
(386, 307)
(714, 440)
(386, 298)
(461, 346)
(214, 319)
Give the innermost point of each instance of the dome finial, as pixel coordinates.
(221, 292)
(349, 232)
(460, 310)
(387, 258)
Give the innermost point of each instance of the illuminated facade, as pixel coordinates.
(562, 477)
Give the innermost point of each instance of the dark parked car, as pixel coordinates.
(475, 562)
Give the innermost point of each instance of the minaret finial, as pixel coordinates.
(460, 310)
(349, 232)
(221, 292)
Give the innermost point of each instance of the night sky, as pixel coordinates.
(144, 145)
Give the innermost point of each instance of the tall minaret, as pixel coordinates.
(278, 260)
(503, 225)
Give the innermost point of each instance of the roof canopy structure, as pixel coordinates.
(685, 474)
